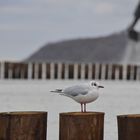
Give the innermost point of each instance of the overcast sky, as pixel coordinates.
(26, 25)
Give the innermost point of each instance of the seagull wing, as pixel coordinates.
(76, 90)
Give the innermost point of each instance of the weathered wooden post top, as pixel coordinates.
(81, 126)
(129, 127)
(23, 126)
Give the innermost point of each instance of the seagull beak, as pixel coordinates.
(100, 87)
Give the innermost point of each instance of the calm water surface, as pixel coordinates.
(115, 99)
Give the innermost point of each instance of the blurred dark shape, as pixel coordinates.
(137, 12)
(105, 49)
(133, 35)
(131, 32)
(136, 17)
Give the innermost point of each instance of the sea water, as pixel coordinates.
(117, 98)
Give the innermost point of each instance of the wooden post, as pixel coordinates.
(110, 72)
(2, 70)
(90, 71)
(52, 71)
(75, 71)
(30, 70)
(36, 71)
(82, 71)
(117, 72)
(44, 71)
(129, 127)
(81, 126)
(66, 74)
(138, 73)
(131, 72)
(103, 71)
(10, 73)
(97, 70)
(124, 72)
(59, 71)
(22, 71)
(23, 126)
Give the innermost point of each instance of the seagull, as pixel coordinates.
(83, 94)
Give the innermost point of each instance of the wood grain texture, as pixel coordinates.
(23, 126)
(129, 127)
(81, 126)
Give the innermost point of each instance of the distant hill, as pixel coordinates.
(102, 49)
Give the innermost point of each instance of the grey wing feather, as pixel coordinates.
(76, 90)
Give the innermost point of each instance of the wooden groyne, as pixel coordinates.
(10, 70)
(81, 126)
(129, 127)
(23, 125)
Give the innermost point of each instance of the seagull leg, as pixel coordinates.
(82, 107)
(85, 107)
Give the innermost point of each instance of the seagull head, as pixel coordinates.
(95, 84)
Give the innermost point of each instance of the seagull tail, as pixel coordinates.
(57, 91)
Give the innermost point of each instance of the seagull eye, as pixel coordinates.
(95, 84)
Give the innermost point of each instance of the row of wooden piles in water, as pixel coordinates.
(32, 125)
(10, 70)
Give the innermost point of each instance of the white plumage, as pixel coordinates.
(83, 94)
